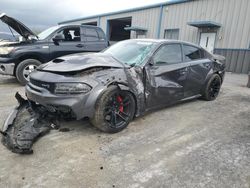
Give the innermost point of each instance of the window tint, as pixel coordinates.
(91, 34)
(71, 34)
(202, 54)
(205, 54)
(101, 34)
(168, 54)
(191, 53)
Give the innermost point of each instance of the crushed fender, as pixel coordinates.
(25, 124)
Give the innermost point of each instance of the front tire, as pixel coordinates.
(212, 88)
(114, 110)
(24, 69)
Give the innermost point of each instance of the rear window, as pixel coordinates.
(101, 34)
(191, 53)
(91, 34)
(205, 54)
(202, 54)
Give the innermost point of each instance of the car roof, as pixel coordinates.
(162, 41)
(77, 25)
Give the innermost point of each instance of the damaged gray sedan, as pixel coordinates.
(124, 81)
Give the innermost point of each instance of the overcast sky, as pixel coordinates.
(41, 14)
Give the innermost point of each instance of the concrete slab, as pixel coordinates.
(194, 144)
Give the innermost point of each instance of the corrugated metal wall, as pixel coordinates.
(237, 60)
(233, 15)
(143, 18)
(85, 21)
(148, 18)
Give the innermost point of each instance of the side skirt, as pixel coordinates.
(168, 105)
(192, 97)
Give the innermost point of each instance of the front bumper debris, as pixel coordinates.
(25, 124)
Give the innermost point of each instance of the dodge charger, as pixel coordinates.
(126, 80)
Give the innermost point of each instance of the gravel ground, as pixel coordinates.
(194, 144)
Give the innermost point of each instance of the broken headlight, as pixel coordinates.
(71, 88)
(6, 50)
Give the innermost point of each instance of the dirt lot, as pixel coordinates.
(195, 144)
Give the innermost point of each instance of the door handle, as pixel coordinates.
(79, 45)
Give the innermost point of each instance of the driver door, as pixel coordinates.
(72, 43)
(166, 76)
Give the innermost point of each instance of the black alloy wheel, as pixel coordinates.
(212, 88)
(118, 110)
(114, 110)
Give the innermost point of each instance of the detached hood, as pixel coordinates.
(79, 62)
(17, 26)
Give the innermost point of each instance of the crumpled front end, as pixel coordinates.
(43, 109)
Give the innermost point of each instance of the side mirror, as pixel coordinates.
(151, 62)
(59, 37)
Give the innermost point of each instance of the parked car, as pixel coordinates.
(21, 58)
(126, 80)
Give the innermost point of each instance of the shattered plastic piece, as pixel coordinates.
(24, 125)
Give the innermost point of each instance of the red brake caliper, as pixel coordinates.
(119, 99)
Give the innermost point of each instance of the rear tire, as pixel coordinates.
(25, 68)
(212, 88)
(114, 110)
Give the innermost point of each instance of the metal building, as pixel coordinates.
(220, 26)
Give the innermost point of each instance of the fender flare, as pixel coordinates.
(207, 80)
(125, 87)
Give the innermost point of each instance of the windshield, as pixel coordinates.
(130, 52)
(43, 35)
(6, 33)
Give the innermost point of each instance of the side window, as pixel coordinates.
(191, 53)
(101, 34)
(202, 54)
(91, 35)
(71, 34)
(168, 54)
(205, 54)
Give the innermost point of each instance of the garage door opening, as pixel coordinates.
(116, 29)
(90, 23)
